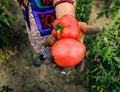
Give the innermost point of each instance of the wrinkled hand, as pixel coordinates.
(85, 30)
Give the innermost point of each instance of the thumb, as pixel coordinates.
(88, 29)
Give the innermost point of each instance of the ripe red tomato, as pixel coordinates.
(67, 27)
(68, 52)
(71, 28)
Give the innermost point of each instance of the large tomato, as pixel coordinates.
(68, 52)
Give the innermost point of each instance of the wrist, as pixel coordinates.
(63, 8)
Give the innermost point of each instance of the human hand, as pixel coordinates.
(85, 30)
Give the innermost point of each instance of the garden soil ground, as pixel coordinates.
(20, 74)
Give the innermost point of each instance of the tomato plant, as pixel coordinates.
(102, 72)
(104, 56)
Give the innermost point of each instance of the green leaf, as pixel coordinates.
(7, 22)
(117, 59)
(118, 65)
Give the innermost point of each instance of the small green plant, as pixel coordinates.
(83, 9)
(103, 54)
(5, 20)
(111, 6)
(5, 23)
(103, 72)
(8, 35)
(103, 50)
(4, 58)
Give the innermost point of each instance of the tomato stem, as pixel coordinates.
(59, 32)
(59, 26)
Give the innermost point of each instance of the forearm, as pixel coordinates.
(65, 8)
